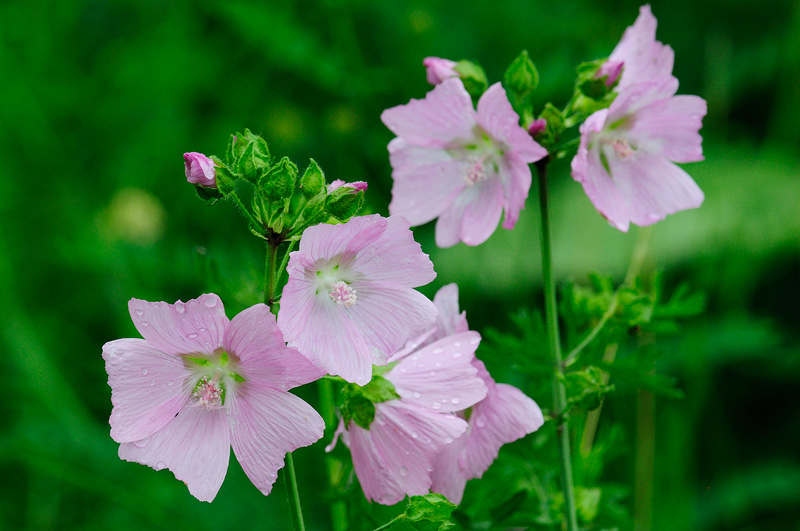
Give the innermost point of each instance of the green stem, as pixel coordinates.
(551, 315)
(291, 477)
(333, 465)
(390, 523)
(573, 355)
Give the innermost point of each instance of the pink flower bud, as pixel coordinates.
(537, 126)
(439, 69)
(200, 169)
(357, 186)
(611, 70)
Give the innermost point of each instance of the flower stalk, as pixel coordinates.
(554, 341)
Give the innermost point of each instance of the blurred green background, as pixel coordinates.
(101, 98)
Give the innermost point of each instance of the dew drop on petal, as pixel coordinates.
(160, 465)
(403, 370)
(144, 372)
(191, 336)
(438, 364)
(403, 471)
(455, 400)
(414, 435)
(481, 423)
(456, 343)
(437, 351)
(457, 355)
(210, 302)
(139, 312)
(417, 395)
(145, 323)
(475, 340)
(448, 439)
(436, 405)
(152, 383)
(180, 307)
(432, 373)
(201, 329)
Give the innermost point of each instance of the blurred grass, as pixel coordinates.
(101, 98)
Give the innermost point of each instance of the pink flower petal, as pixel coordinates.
(181, 328)
(516, 179)
(445, 113)
(643, 57)
(498, 118)
(448, 477)
(148, 388)
(474, 215)
(393, 458)
(671, 127)
(266, 424)
(254, 337)
(449, 321)
(441, 376)
(195, 446)
(324, 241)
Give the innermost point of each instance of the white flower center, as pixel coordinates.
(209, 392)
(476, 171)
(342, 294)
(622, 148)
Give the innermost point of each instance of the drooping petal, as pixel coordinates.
(395, 257)
(446, 113)
(195, 446)
(388, 314)
(265, 424)
(441, 376)
(254, 337)
(394, 457)
(643, 57)
(670, 127)
(474, 215)
(498, 118)
(181, 328)
(148, 388)
(426, 181)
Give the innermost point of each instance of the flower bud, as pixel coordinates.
(439, 69)
(357, 186)
(200, 169)
(537, 126)
(610, 70)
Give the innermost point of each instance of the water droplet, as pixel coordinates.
(432, 373)
(455, 400)
(139, 312)
(457, 355)
(448, 439)
(152, 383)
(201, 329)
(417, 395)
(443, 400)
(160, 465)
(144, 372)
(437, 351)
(191, 336)
(414, 435)
(169, 383)
(406, 452)
(436, 405)
(475, 340)
(210, 302)
(145, 323)
(141, 443)
(403, 471)
(403, 370)
(180, 307)
(415, 357)
(481, 423)
(456, 344)
(438, 364)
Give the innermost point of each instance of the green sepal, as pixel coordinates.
(586, 388)
(520, 80)
(430, 512)
(554, 125)
(209, 195)
(313, 181)
(379, 389)
(473, 77)
(259, 144)
(277, 185)
(313, 213)
(344, 203)
(589, 84)
(226, 180)
(358, 403)
(236, 148)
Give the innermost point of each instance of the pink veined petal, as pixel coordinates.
(670, 128)
(516, 179)
(148, 388)
(426, 181)
(498, 118)
(474, 215)
(195, 446)
(297, 300)
(265, 359)
(394, 457)
(441, 376)
(323, 241)
(506, 415)
(449, 321)
(265, 424)
(388, 314)
(448, 478)
(654, 187)
(446, 113)
(395, 257)
(181, 328)
(643, 57)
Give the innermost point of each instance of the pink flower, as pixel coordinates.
(198, 384)
(643, 57)
(200, 170)
(459, 165)
(610, 70)
(357, 186)
(626, 154)
(438, 69)
(505, 415)
(349, 301)
(395, 456)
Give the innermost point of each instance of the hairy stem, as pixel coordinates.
(554, 340)
(390, 523)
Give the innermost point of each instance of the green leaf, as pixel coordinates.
(588, 502)
(430, 512)
(587, 387)
(313, 181)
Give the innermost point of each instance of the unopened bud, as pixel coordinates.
(439, 69)
(200, 169)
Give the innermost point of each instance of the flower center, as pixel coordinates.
(622, 149)
(209, 393)
(476, 171)
(342, 294)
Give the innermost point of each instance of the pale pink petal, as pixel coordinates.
(395, 257)
(498, 118)
(253, 336)
(643, 57)
(448, 477)
(266, 424)
(426, 181)
(449, 321)
(387, 314)
(441, 376)
(323, 241)
(515, 176)
(394, 457)
(670, 128)
(297, 299)
(474, 215)
(195, 446)
(148, 388)
(438, 69)
(506, 415)
(181, 328)
(445, 113)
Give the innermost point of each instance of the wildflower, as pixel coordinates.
(626, 154)
(462, 166)
(642, 57)
(200, 170)
(394, 456)
(349, 301)
(198, 384)
(438, 69)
